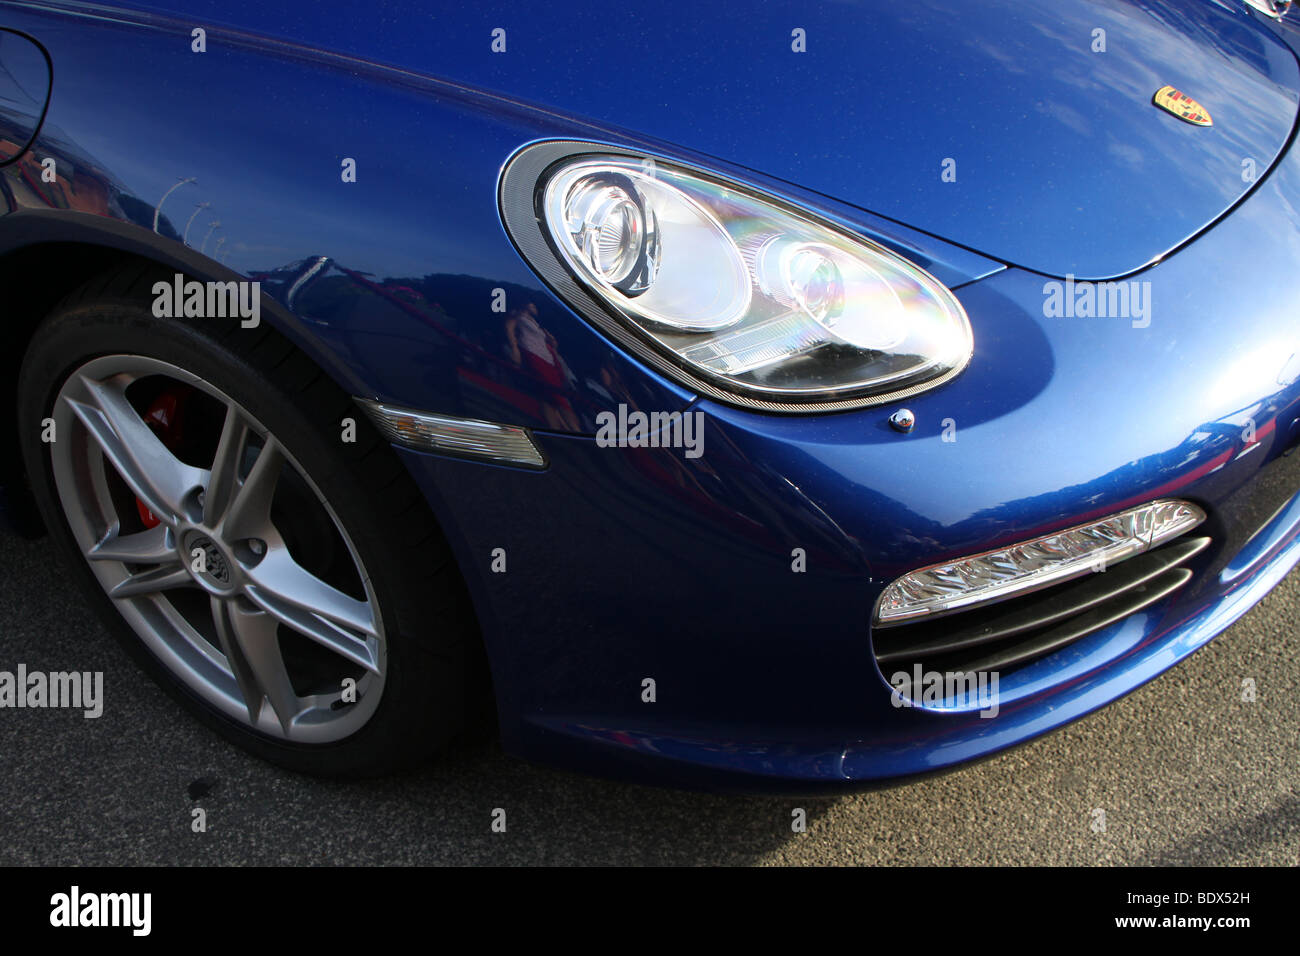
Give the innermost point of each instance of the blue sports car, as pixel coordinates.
(772, 397)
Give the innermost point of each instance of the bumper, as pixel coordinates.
(764, 679)
(627, 564)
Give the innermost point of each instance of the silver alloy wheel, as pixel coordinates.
(215, 535)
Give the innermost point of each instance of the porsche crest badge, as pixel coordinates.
(1182, 106)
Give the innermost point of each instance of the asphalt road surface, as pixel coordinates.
(1185, 770)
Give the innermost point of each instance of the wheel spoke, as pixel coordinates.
(249, 513)
(159, 478)
(155, 579)
(153, 546)
(252, 649)
(319, 611)
(224, 482)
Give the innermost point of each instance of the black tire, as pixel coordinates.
(435, 684)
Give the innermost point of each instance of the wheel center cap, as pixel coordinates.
(207, 562)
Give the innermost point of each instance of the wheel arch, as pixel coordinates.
(45, 255)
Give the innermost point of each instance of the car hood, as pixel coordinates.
(1023, 130)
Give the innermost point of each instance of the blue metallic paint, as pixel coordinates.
(397, 227)
(628, 563)
(1062, 168)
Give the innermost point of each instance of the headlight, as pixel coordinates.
(740, 295)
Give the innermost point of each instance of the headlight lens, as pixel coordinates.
(746, 293)
(615, 234)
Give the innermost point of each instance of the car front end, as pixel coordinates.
(1049, 456)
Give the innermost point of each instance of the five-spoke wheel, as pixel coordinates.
(197, 561)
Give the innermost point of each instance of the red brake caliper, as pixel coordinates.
(165, 415)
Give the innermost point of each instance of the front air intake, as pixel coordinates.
(1014, 632)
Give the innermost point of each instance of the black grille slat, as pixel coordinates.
(1021, 629)
(1054, 638)
(964, 630)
